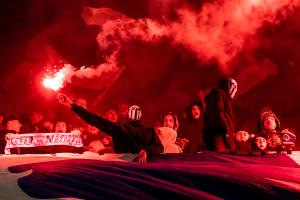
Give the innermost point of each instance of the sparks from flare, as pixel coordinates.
(56, 81)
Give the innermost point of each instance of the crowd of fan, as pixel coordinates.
(206, 125)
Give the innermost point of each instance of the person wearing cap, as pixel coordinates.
(218, 117)
(268, 126)
(128, 137)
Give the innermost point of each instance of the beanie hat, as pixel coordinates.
(264, 114)
(134, 113)
(229, 85)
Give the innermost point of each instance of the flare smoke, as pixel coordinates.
(219, 30)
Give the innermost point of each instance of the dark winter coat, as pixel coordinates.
(192, 129)
(127, 137)
(218, 118)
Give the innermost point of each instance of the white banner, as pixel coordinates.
(44, 139)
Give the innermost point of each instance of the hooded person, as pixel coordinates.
(192, 128)
(267, 122)
(218, 117)
(170, 120)
(268, 126)
(128, 137)
(123, 143)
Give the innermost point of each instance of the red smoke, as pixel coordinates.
(219, 30)
(88, 77)
(156, 62)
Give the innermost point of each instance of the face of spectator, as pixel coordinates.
(81, 102)
(270, 123)
(242, 136)
(14, 125)
(261, 143)
(111, 115)
(92, 129)
(60, 127)
(168, 121)
(196, 112)
(36, 117)
(48, 125)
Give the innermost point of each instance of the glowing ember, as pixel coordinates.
(57, 81)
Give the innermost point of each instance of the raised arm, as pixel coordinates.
(91, 118)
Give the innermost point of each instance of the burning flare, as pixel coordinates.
(94, 77)
(57, 81)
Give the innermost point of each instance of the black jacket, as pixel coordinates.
(127, 137)
(192, 130)
(218, 117)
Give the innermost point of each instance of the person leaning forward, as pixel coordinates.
(128, 137)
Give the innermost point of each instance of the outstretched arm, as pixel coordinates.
(91, 118)
(65, 100)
